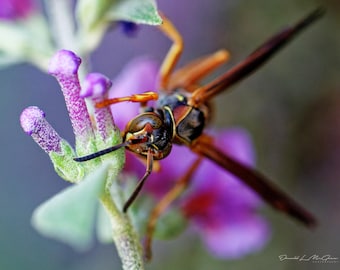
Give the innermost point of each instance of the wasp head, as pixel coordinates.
(154, 134)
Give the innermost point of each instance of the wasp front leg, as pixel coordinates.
(138, 188)
(141, 98)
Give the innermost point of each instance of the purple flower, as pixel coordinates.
(15, 9)
(218, 206)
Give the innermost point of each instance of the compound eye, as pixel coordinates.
(138, 123)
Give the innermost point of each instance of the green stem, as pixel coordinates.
(124, 236)
(61, 21)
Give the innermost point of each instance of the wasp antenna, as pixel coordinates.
(109, 150)
(100, 153)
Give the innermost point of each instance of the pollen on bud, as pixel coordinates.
(33, 122)
(64, 63)
(29, 118)
(95, 85)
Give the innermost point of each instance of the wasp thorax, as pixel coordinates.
(154, 134)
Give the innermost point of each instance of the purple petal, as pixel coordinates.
(15, 9)
(238, 238)
(64, 66)
(33, 122)
(140, 75)
(237, 143)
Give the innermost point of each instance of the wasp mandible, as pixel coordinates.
(182, 112)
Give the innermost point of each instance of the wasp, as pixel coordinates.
(182, 112)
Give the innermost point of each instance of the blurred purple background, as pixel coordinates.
(291, 107)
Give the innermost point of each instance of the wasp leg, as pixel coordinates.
(141, 98)
(187, 76)
(133, 196)
(156, 166)
(173, 54)
(253, 61)
(254, 180)
(168, 198)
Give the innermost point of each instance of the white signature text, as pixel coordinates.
(310, 258)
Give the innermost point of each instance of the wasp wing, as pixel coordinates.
(255, 180)
(253, 61)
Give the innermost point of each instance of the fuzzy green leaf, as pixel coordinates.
(27, 41)
(95, 17)
(104, 228)
(137, 11)
(91, 13)
(69, 216)
(65, 166)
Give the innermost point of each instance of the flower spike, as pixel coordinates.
(64, 67)
(95, 88)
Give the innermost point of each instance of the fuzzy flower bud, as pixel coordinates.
(33, 122)
(96, 85)
(96, 88)
(64, 67)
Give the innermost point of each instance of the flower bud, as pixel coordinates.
(64, 67)
(33, 122)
